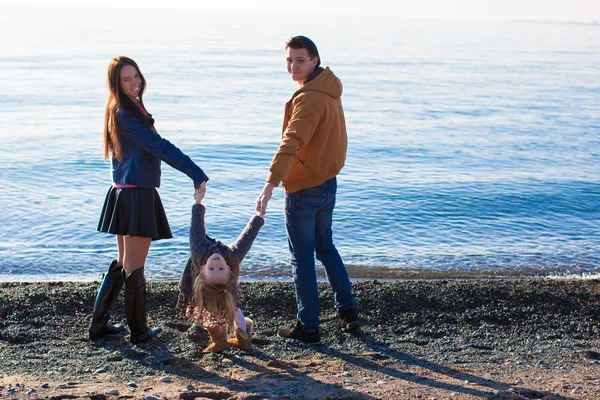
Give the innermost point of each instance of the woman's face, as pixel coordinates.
(131, 82)
(216, 269)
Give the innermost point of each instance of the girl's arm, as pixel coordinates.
(198, 240)
(199, 245)
(153, 143)
(186, 287)
(243, 243)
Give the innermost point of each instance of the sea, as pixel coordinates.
(473, 146)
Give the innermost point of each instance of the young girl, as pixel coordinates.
(209, 292)
(133, 211)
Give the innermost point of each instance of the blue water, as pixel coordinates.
(473, 146)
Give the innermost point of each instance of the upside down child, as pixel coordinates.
(209, 293)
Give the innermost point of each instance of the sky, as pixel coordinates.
(554, 10)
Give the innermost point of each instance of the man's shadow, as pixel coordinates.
(382, 351)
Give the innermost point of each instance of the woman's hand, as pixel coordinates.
(200, 192)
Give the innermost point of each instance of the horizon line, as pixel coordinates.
(349, 14)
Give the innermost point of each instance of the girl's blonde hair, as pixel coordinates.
(217, 298)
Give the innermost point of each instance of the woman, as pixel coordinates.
(133, 210)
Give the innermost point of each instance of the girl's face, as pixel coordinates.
(216, 269)
(131, 82)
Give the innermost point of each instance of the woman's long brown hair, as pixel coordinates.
(118, 100)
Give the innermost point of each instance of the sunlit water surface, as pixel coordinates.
(473, 146)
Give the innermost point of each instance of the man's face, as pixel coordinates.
(299, 64)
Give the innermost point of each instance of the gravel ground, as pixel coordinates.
(431, 339)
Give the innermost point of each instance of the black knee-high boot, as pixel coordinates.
(108, 292)
(135, 307)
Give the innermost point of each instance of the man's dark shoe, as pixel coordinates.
(297, 332)
(349, 319)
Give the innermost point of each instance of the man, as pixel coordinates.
(311, 154)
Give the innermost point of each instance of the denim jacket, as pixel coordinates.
(143, 149)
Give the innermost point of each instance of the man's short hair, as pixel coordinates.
(302, 42)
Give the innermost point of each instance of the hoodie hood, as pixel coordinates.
(323, 80)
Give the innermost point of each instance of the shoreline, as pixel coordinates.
(459, 338)
(356, 274)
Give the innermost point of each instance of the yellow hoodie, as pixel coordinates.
(314, 141)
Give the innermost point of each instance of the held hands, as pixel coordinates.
(200, 192)
(263, 199)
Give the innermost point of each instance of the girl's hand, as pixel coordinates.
(200, 192)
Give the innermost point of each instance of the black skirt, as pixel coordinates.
(134, 212)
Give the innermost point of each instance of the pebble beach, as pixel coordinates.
(534, 338)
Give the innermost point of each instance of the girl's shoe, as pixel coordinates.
(243, 339)
(218, 337)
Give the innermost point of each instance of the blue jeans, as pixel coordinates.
(308, 218)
